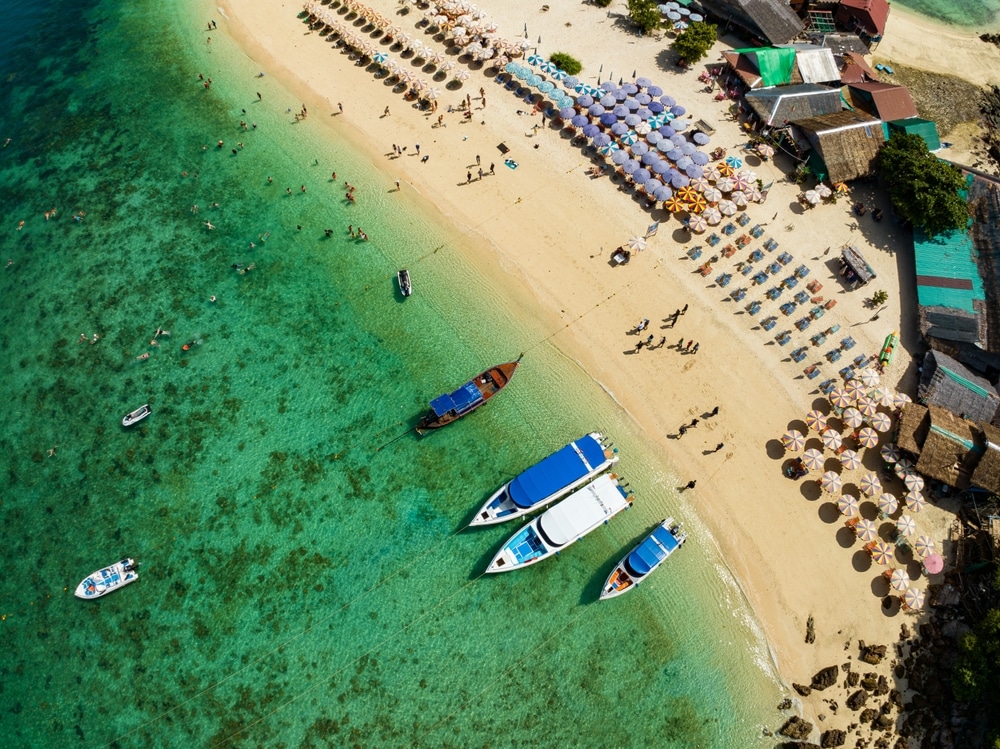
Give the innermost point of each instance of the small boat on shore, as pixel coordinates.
(473, 394)
(563, 524)
(546, 481)
(108, 579)
(403, 278)
(651, 552)
(138, 415)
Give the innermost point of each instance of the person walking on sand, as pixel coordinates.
(693, 424)
(680, 345)
(714, 411)
(492, 169)
(684, 310)
(683, 430)
(386, 112)
(663, 340)
(468, 177)
(480, 172)
(689, 345)
(690, 484)
(477, 159)
(397, 185)
(695, 349)
(718, 447)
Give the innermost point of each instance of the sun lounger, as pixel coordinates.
(816, 312)
(791, 282)
(847, 344)
(760, 278)
(694, 253)
(773, 293)
(738, 294)
(860, 361)
(768, 323)
(814, 286)
(829, 305)
(743, 241)
(743, 220)
(803, 323)
(729, 230)
(756, 256)
(753, 308)
(801, 297)
(827, 386)
(788, 308)
(770, 245)
(714, 240)
(801, 272)
(728, 251)
(799, 354)
(812, 371)
(784, 258)
(818, 340)
(833, 355)
(847, 372)
(757, 231)
(705, 269)
(747, 270)
(784, 337)
(724, 279)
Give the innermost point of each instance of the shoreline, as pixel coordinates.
(586, 303)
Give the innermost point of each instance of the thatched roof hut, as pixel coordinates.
(987, 473)
(949, 453)
(770, 20)
(914, 424)
(845, 141)
(946, 383)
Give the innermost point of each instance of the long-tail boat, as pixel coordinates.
(473, 394)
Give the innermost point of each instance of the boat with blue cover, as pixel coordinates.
(548, 480)
(651, 552)
(563, 524)
(473, 394)
(107, 579)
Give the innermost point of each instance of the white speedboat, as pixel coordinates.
(651, 552)
(108, 579)
(405, 286)
(563, 524)
(546, 481)
(138, 415)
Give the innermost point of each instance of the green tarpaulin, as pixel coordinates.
(773, 63)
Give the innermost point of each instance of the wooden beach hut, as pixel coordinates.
(987, 472)
(867, 18)
(885, 101)
(950, 451)
(947, 384)
(914, 424)
(844, 143)
(770, 21)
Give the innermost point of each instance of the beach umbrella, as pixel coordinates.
(642, 128)
(811, 197)
(579, 120)
(739, 199)
(432, 93)
(601, 139)
(868, 437)
(619, 128)
(881, 422)
(899, 400)
(848, 505)
(765, 150)
(619, 157)
(883, 396)
(852, 417)
(823, 191)
(887, 504)
(816, 419)
(697, 224)
(675, 204)
(854, 389)
(813, 459)
(380, 57)
(924, 546)
(890, 453)
(595, 110)
(567, 113)
(866, 530)
(712, 174)
(869, 377)
(535, 59)
(727, 207)
(904, 466)
(913, 599)
(712, 216)
(712, 194)
(933, 564)
(870, 484)
(639, 148)
(899, 580)
(740, 182)
(590, 130)
(867, 407)
(915, 501)
(701, 139)
(725, 184)
(839, 398)
(546, 87)
(653, 137)
(831, 482)
(881, 552)
(687, 193)
(913, 482)
(631, 166)
(850, 459)
(610, 148)
(905, 526)
(463, 75)
(701, 184)
(630, 138)
(755, 195)
(724, 169)
(698, 204)
(734, 162)
(585, 101)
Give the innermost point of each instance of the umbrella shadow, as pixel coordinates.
(811, 490)
(681, 235)
(868, 510)
(846, 538)
(775, 450)
(828, 513)
(914, 569)
(798, 424)
(861, 561)
(880, 587)
(891, 606)
(887, 532)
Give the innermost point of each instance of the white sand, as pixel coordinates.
(551, 228)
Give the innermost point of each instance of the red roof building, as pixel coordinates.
(855, 69)
(867, 15)
(886, 101)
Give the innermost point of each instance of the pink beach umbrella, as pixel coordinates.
(904, 466)
(887, 504)
(870, 484)
(933, 564)
(712, 194)
(881, 422)
(831, 482)
(712, 216)
(883, 396)
(915, 501)
(905, 526)
(850, 460)
(739, 198)
(740, 182)
(848, 505)
(899, 400)
(816, 419)
(697, 224)
(866, 530)
(725, 184)
(881, 552)
(712, 174)
(924, 546)
(889, 452)
(832, 439)
(868, 437)
(755, 195)
(913, 599)
(813, 459)
(853, 417)
(898, 579)
(913, 482)
(823, 191)
(701, 184)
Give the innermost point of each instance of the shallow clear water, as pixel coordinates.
(305, 577)
(977, 15)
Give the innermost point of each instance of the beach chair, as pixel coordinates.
(829, 305)
(847, 344)
(802, 323)
(791, 282)
(694, 253)
(860, 360)
(812, 371)
(728, 251)
(756, 256)
(799, 354)
(847, 372)
(833, 329)
(743, 220)
(775, 267)
(801, 272)
(738, 294)
(818, 340)
(705, 268)
(784, 258)
(753, 308)
(747, 269)
(788, 308)
(773, 293)
(783, 337)
(757, 231)
(729, 229)
(724, 279)
(827, 386)
(770, 245)
(743, 241)
(801, 297)
(833, 355)
(817, 312)
(714, 240)
(759, 278)
(768, 323)
(814, 286)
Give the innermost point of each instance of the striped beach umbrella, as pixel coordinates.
(850, 460)
(811, 197)
(816, 419)
(727, 207)
(866, 530)
(913, 599)
(831, 482)
(841, 188)
(887, 504)
(712, 194)
(915, 501)
(889, 452)
(855, 388)
(739, 198)
(883, 396)
(813, 459)
(913, 482)
(674, 204)
(898, 579)
(724, 169)
(867, 437)
(906, 526)
(700, 184)
(766, 151)
(853, 417)
(869, 377)
(881, 552)
(697, 224)
(839, 398)
(870, 484)
(867, 406)
(848, 505)
(725, 184)
(832, 439)
(904, 466)
(630, 138)
(698, 203)
(899, 400)
(881, 422)
(713, 174)
(823, 191)
(712, 216)
(687, 193)
(740, 182)
(924, 546)
(609, 148)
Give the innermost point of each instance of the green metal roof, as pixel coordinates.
(926, 129)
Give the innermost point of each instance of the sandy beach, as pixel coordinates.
(545, 231)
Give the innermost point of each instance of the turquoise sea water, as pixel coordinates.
(975, 15)
(301, 586)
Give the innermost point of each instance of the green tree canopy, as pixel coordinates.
(692, 43)
(644, 14)
(923, 189)
(565, 62)
(977, 671)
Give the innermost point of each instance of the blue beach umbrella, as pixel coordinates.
(675, 154)
(619, 128)
(639, 148)
(662, 167)
(585, 101)
(701, 139)
(680, 180)
(380, 57)
(640, 175)
(591, 130)
(535, 59)
(570, 81)
(654, 91)
(652, 185)
(632, 120)
(694, 171)
(688, 149)
(620, 110)
(644, 113)
(700, 158)
(674, 15)
(579, 120)
(653, 137)
(643, 82)
(601, 139)
(546, 86)
(667, 132)
(630, 137)
(643, 99)
(678, 125)
(567, 112)
(734, 162)
(608, 101)
(611, 148)
(684, 162)
(667, 101)
(630, 167)
(678, 140)
(632, 104)
(663, 193)
(630, 88)
(533, 79)
(524, 74)
(620, 94)
(620, 157)
(655, 107)
(649, 158)
(608, 119)
(608, 86)
(678, 111)
(696, 17)
(665, 147)
(595, 110)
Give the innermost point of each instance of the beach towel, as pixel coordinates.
(510, 163)
(502, 148)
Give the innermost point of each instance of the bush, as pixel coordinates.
(644, 14)
(570, 64)
(692, 43)
(602, 3)
(880, 297)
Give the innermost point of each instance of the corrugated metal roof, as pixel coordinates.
(890, 102)
(873, 13)
(816, 65)
(783, 104)
(856, 69)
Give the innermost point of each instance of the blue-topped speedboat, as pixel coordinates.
(473, 394)
(651, 552)
(547, 481)
(107, 579)
(563, 524)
